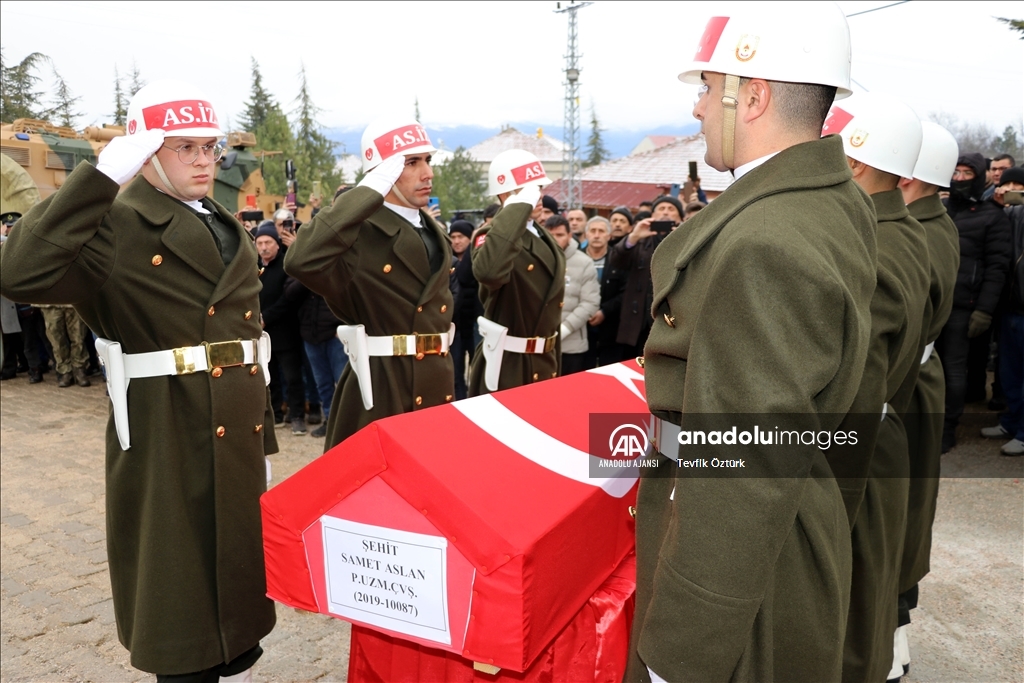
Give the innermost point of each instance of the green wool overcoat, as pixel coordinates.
(184, 539)
(762, 305)
(522, 283)
(371, 267)
(877, 502)
(926, 408)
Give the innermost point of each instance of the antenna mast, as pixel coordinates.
(573, 198)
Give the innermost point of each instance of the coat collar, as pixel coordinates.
(927, 208)
(889, 205)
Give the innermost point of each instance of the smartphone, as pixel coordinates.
(693, 171)
(288, 224)
(290, 198)
(433, 203)
(250, 200)
(252, 215)
(663, 227)
(674, 192)
(316, 189)
(1011, 197)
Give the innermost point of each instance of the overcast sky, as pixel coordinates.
(487, 63)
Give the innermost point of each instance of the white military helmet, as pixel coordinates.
(938, 157)
(809, 43)
(386, 137)
(515, 168)
(176, 107)
(877, 130)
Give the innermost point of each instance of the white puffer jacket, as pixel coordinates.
(582, 298)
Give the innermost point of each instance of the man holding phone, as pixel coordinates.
(284, 221)
(382, 263)
(633, 256)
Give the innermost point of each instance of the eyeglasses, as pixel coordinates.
(188, 153)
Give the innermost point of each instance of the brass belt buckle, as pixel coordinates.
(549, 343)
(226, 354)
(184, 363)
(399, 345)
(428, 344)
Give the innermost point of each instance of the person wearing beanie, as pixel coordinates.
(621, 221)
(633, 256)
(984, 233)
(549, 208)
(1011, 328)
(467, 304)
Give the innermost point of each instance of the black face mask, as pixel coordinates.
(961, 189)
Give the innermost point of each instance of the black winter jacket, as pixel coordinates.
(984, 246)
(279, 318)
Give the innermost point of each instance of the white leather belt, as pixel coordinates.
(188, 359)
(927, 353)
(121, 368)
(666, 438)
(496, 341)
(359, 347)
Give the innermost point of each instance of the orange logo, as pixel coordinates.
(858, 137)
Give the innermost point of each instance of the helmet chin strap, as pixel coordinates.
(171, 189)
(729, 102)
(404, 201)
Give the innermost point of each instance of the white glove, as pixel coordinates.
(564, 331)
(528, 195)
(123, 156)
(383, 177)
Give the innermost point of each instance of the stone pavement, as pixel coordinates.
(58, 623)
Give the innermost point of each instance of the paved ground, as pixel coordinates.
(58, 624)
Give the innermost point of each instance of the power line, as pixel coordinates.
(868, 11)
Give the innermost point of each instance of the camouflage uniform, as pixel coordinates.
(67, 334)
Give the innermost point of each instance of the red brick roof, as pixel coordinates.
(598, 194)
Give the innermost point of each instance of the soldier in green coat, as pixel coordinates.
(169, 278)
(521, 271)
(762, 305)
(382, 265)
(881, 137)
(925, 407)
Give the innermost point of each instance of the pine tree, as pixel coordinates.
(264, 118)
(458, 185)
(19, 98)
(1014, 25)
(135, 82)
(596, 151)
(120, 101)
(64, 104)
(314, 152)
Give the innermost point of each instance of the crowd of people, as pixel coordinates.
(836, 276)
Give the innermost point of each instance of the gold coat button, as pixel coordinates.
(387, 267)
(211, 311)
(261, 271)
(220, 431)
(444, 308)
(554, 374)
(257, 429)
(632, 512)
(419, 400)
(448, 398)
(535, 377)
(254, 369)
(670, 320)
(420, 356)
(640, 361)
(157, 260)
(561, 304)
(529, 267)
(419, 309)
(452, 270)
(248, 315)
(217, 372)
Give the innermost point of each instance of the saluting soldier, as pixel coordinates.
(382, 265)
(761, 306)
(521, 271)
(925, 407)
(882, 138)
(167, 279)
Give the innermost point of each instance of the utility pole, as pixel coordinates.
(570, 156)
